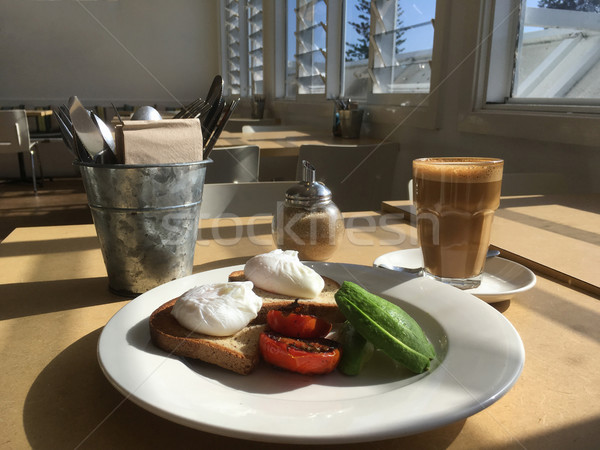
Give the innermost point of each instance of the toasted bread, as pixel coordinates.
(323, 306)
(239, 352)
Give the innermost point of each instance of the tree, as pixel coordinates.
(360, 49)
(571, 5)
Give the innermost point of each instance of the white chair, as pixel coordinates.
(14, 138)
(264, 128)
(233, 164)
(235, 124)
(242, 199)
(360, 177)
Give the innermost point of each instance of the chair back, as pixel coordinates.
(360, 177)
(14, 131)
(265, 128)
(242, 199)
(233, 164)
(236, 125)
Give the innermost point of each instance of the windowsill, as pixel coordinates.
(409, 113)
(566, 128)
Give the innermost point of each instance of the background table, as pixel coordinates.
(54, 302)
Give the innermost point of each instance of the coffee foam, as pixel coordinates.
(461, 170)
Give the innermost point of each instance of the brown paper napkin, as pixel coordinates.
(159, 141)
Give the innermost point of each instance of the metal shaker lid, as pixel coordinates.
(308, 192)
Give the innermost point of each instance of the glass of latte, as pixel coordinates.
(455, 200)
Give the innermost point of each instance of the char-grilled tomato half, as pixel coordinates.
(297, 325)
(306, 356)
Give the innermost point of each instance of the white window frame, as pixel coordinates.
(539, 119)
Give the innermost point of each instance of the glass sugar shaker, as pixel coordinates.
(308, 221)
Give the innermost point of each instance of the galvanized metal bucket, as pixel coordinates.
(146, 219)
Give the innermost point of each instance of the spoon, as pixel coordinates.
(419, 270)
(146, 113)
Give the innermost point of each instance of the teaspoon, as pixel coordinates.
(419, 270)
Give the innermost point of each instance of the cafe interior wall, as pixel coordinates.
(132, 52)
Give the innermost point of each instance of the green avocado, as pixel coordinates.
(387, 326)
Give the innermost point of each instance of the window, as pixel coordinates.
(537, 73)
(307, 47)
(242, 51)
(353, 48)
(390, 42)
(255, 43)
(554, 57)
(232, 52)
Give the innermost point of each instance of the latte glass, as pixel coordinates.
(455, 200)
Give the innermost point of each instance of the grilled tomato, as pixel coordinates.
(297, 325)
(305, 356)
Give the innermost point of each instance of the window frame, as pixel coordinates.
(564, 121)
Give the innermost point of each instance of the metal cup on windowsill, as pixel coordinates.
(258, 107)
(350, 122)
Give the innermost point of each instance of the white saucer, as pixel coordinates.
(502, 279)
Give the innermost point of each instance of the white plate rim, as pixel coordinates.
(446, 394)
(496, 264)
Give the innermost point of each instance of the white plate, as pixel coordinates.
(501, 280)
(480, 357)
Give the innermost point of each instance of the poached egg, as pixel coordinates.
(219, 309)
(281, 271)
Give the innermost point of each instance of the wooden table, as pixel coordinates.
(286, 142)
(279, 149)
(38, 112)
(54, 302)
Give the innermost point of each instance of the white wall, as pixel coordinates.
(124, 51)
(136, 52)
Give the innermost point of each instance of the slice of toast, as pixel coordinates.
(323, 306)
(239, 352)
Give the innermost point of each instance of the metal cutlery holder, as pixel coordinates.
(146, 218)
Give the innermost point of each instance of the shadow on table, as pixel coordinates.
(28, 299)
(50, 246)
(72, 405)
